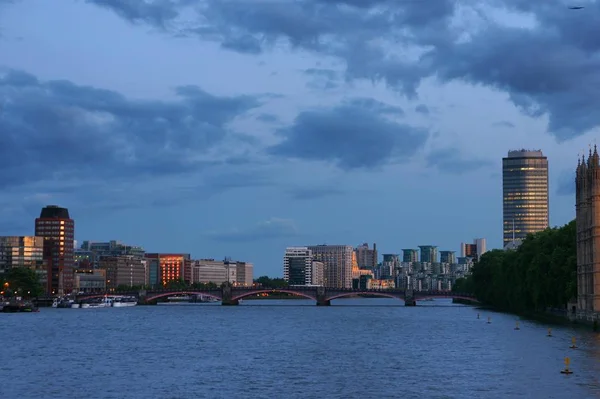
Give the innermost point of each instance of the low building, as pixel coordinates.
(124, 271)
(213, 271)
(90, 281)
(244, 273)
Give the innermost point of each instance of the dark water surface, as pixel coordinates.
(357, 348)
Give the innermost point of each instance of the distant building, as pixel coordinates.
(167, 267)
(410, 255)
(124, 271)
(318, 273)
(23, 251)
(525, 194)
(89, 281)
(58, 231)
(447, 256)
(297, 265)
(475, 250)
(214, 271)
(338, 264)
(366, 257)
(93, 251)
(429, 253)
(244, 273)
(481, 245)
(587, 205)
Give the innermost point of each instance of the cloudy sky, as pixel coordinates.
(237, 128)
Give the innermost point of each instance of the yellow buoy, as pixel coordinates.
(573, 343)
(567, 370)
(517, 326)
(549, 332)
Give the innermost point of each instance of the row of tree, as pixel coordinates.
(541, 273)
(20, 281)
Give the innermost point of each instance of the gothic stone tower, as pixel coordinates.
(587, 207)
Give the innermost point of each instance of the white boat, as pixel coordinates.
(124, 301)
(75, 306)
(105, 302)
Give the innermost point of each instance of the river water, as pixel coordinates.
(356, 348)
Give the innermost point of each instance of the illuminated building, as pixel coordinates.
(587, 207)
(23, 251)
(338, 264)
(366, 257)
(58, 230)
(170, 267)
(525, 194)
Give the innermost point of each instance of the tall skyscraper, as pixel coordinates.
(448, 256)
(481, 244)
(587, 205)
(475, 250)
(525, 194)
(338, 264)
(429, 253)
(58, 231)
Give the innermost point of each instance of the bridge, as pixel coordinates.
(230, 295)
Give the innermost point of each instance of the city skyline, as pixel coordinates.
(116, 115)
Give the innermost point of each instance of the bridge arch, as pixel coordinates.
(165, 294)
(372, 293)
(238, 295)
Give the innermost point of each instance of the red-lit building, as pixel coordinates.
(170, 267)
(58, 231)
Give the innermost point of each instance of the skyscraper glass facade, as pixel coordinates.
(525, 194)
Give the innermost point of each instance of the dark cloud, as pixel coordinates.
(504, 124)
(566, 183)
(550, 68)
(354, 135)
(57, 129)
(312, 193)
(422, 109)
(451, 161)
(273, 228)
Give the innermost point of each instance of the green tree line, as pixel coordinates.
(541, 273)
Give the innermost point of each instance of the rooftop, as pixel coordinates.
(523, 153)
(54, 212)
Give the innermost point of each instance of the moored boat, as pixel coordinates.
(124, 301)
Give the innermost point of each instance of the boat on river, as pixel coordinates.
(124, 301)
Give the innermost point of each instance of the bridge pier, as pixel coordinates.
(322, 297)
(227, 296)
(409, 298)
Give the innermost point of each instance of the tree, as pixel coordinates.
(22, 281)
(541, 273)
(268, 282)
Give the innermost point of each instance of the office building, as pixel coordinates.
(91, 251)
(366, 257)
(410, 255)
(213, 271)
(338, 264)
(58, 231)
(23, 251)
(244, 273)
(318, 273)
(525, 194)
(124, 271)
(475, 250)
(164, 268)
(587, 205)
(429, 253)
(481, 245)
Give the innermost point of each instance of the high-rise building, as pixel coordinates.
(475, 250)
(338, 264)
(410, 255)
(297, 266)
(429, 253)
(366, 257)
(587, 205)
(448, 256)
(93, 251)
(23, 251)
(58, 231)
(525, 194)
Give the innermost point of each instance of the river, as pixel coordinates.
(356, 348)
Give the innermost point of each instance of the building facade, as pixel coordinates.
(410, 255)
(124, 271)
(244, 273)
(475, 250)
(366, 257)
(92, 252)
(23, 251)
(58, 231)
(165, 268)
(447, 256)
(525, 194)
(429, 253)
(297, 266)
(338, 264)
(212, 271)
(587, 205)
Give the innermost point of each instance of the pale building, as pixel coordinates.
(244, 273)
(124, 270)
(213, 271)
(318, 273)
(338, 264)
(366, 257)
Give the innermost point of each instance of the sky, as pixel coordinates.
(238, 128)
